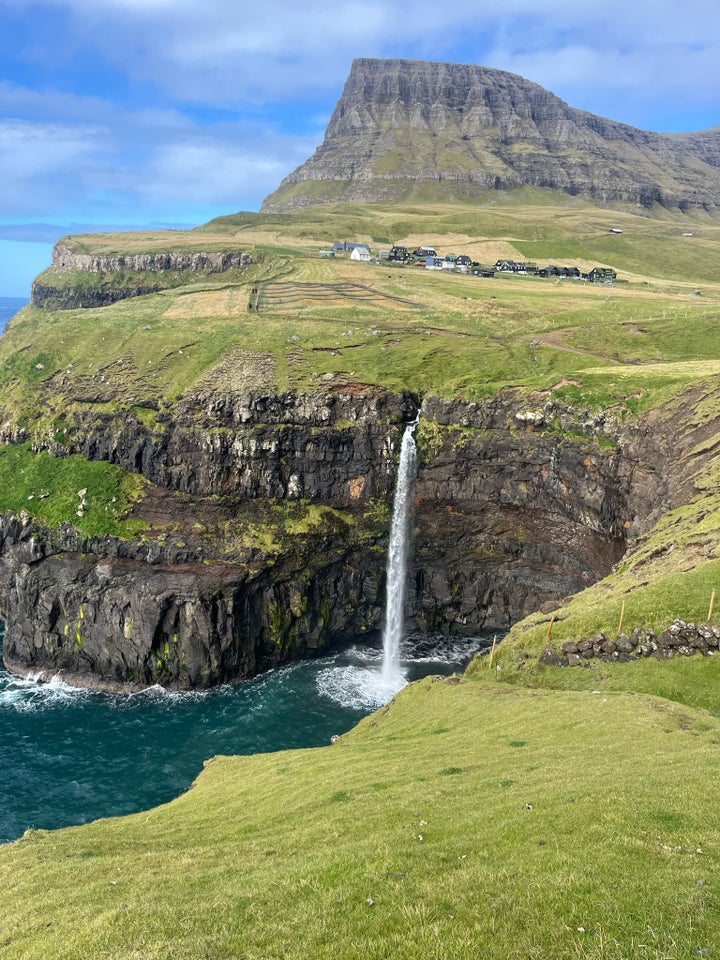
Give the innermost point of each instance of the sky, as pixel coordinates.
(126, 114)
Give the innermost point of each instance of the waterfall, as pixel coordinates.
(400, 535)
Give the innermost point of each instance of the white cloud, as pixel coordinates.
(35, 159)
(628, 84)
(41, 149)
(208, 87)
(233, 173)
(146, 163)
(230, 55)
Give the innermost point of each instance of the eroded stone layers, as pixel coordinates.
(143, 273)
(516, 507)
(403, 124)
(107, 612)
(217, 262)
(334, 447)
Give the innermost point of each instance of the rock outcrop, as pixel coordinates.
(515, 506)
(116, 277)
(106, 612)
(216, 262)
(402, 125)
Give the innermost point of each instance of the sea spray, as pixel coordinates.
(368, 686)
(392, 678)
(71, 755)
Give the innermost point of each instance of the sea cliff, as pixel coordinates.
(516, 506)
(81, 280)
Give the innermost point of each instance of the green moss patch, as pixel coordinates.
(94, 497)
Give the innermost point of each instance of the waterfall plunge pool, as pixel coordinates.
(72, 755)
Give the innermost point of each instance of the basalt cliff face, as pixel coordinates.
(403, 125)
(268, 439)
(109, 278)
(516, 507)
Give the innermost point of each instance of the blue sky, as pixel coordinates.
(132, 113)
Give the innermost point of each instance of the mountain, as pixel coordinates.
(405, 128)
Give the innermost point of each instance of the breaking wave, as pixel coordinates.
(71, 755)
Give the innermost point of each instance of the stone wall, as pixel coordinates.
(681, 639)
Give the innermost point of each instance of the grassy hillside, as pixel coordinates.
(462, 820)
(645, 341)
(526, 811)
(405, 329)
(97, 497)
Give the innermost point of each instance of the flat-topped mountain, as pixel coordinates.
(407, 128)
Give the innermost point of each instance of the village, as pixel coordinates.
(428, 258)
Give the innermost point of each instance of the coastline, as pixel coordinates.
(79, 680)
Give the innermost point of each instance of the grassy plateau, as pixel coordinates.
(521, 811)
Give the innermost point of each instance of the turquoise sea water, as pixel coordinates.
(68, 756)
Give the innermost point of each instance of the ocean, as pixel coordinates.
(70, 755)
(9, 306)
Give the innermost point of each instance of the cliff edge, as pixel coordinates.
(407, 128)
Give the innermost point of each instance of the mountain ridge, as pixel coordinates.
(465, 129)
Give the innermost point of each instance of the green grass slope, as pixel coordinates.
(536, 813)
(651, 339)
(646, 341)
(404, 329)
(97, 496)
(464, 820)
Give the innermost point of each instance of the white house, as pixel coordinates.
(360, 253)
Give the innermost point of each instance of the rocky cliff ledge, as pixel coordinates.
(88, 280)
(110, 613)
(460, 129)
(516, 506)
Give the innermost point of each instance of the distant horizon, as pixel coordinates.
(116, 113)
(9, 306)
(5, 299)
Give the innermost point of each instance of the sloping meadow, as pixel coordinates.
(461, 820)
